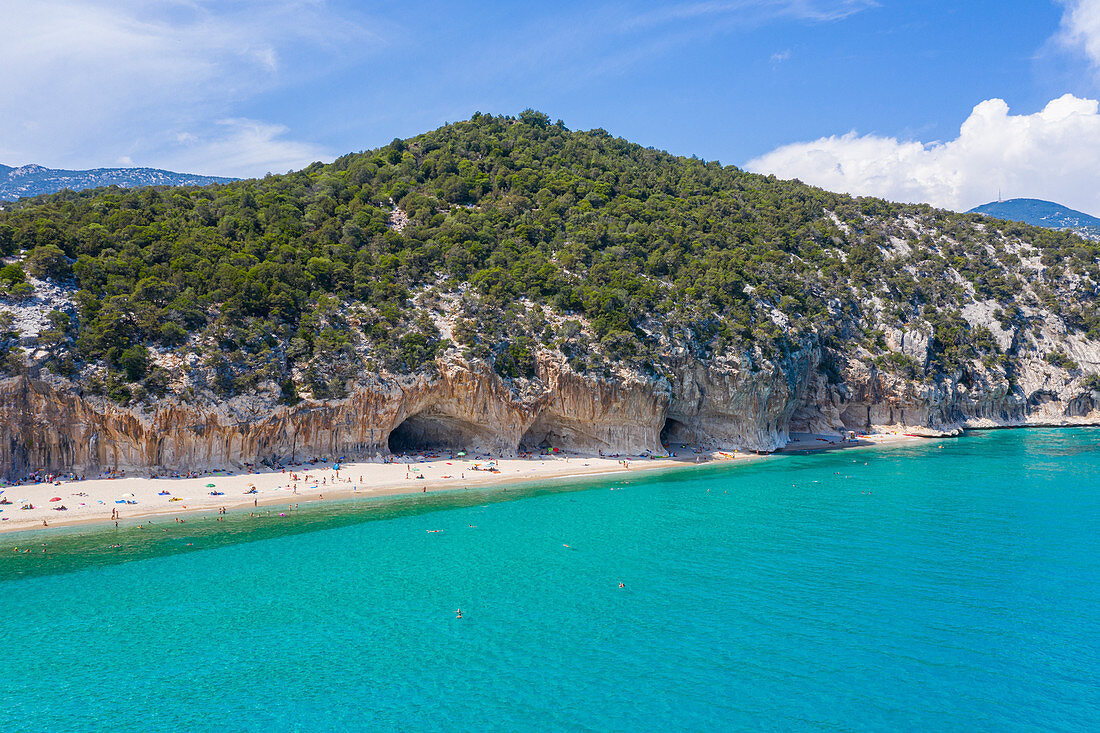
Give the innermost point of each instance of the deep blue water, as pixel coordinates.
(952, 585)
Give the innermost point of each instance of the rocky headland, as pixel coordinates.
(504, 284)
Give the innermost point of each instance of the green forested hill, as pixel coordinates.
(499, 236)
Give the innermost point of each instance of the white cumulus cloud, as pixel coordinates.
(1052, 154)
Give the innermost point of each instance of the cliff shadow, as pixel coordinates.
(431, 430)
(674, 433)
(548, 431)
(552, 430)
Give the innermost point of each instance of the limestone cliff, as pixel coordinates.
(47, 424)
(1026, 390)
(461, 406)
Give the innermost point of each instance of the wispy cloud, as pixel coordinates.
(750, 11)
(609, 39)
(87, 81)
(241, 146)
(1080, 29)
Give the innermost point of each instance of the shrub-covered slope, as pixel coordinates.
(499, 239)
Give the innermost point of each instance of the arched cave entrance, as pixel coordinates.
(547, 431)
(674, 433)
(431, 430)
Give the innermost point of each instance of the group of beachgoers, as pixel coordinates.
(43, 477)
(306, 477)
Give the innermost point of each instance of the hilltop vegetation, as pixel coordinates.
(501, 236)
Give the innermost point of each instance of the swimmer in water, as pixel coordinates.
(621, 585)
(458, 613)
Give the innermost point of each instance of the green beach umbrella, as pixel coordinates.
(210, 486)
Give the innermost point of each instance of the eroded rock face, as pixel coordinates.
(720, 405)
(589, 414)
(873, 400)
(912, 343)
(464, 406)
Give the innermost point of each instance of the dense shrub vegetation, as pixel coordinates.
(629, 247)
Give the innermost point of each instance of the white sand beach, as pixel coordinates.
(131, 498)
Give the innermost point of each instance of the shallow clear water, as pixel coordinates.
(953, 587)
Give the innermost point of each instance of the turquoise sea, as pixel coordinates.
(949, 585)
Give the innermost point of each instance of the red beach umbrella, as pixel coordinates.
(56, 498)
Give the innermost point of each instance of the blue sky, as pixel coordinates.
(830, 91)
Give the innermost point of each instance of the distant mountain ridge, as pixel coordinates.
(1042, 214)
(32, 180)
(1037, 213)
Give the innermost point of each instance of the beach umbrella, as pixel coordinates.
(210, 486)
(56, 498)
(461, 453)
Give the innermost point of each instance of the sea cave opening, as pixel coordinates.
(546, 432)
(429, 431)
(674, 432)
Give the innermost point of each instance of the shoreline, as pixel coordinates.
(91, 502)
